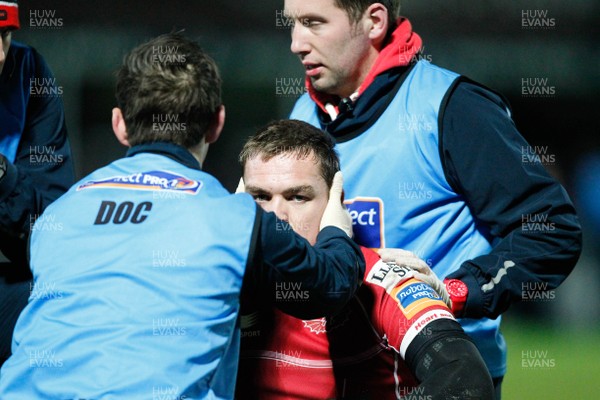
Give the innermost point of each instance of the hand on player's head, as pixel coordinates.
(336, 213)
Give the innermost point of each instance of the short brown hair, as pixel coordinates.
(293, 137)
(356, 8)
(168, 90)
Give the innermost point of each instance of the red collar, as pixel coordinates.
(404, 44)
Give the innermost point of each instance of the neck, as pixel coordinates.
(199, 151)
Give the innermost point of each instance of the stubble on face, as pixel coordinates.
(338, 46)
(348, 73)
(292, 187)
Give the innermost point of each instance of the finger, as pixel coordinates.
(241, 188)
(393, 254)
(406, 258)
(416, 264)
(438, 286)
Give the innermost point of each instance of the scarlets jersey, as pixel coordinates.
(358, 353)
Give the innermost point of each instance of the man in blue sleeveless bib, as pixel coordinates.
(433, 164)
(35, 161)
(138, 268)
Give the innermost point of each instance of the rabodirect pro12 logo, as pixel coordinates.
(153, 180)
(367, 221)
(415, 296)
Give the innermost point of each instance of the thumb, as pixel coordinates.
(337, 186)
(335, 213)
(241, 188)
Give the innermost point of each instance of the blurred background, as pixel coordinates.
(544, 56)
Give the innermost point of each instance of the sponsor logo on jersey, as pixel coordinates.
(316, 325)
(388, 275)
(414, 296)
(249, 320)
(419, 324)
(367, 221)
(249, 324)
(153, 180)
(331, 323)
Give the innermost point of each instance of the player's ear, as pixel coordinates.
(119, 128)
(377, 22)
(216, 126)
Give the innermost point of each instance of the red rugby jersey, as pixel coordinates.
(355, 354)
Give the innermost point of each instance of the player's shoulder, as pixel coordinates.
(28, 60)
(20, 47)
(23, 51)
(371, 257)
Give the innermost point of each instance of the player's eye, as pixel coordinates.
(260, 197)
(309, 22)
(289, 22)
(296, 198)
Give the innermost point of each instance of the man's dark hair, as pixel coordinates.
(356, 8)
(168, 90)
(296, 138)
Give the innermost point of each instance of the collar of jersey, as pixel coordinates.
(171, 150)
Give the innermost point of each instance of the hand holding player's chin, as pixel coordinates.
(423, 271)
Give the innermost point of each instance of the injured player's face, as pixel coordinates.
(292, 188)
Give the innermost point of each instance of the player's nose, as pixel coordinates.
(299, 43)
(279, 207)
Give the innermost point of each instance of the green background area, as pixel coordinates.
(574, 353)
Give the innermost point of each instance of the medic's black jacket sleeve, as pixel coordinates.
(42, 170)
(508, 190)
(302, 280)
(447, 364)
